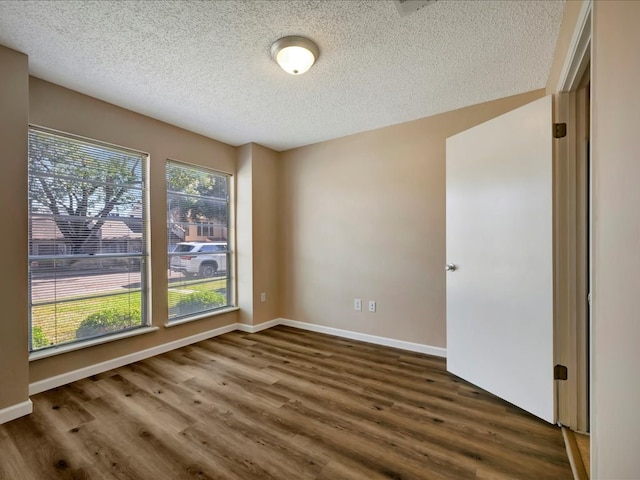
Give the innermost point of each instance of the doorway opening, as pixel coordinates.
(574, 323)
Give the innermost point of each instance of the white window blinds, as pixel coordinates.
(87, 238)
(200, 260)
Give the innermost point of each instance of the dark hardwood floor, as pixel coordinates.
(282, 404)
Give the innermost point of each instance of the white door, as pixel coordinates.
(500, 239)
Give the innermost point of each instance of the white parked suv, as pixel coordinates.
(198, 258)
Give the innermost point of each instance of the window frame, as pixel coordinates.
(199, 227)
(144, 256)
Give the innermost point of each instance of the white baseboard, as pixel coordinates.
(243, 327)
(364, 337)
(15, 411)
(63, 379)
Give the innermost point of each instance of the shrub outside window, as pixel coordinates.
(199, 258)
(87, 239)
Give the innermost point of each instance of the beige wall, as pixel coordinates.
(266, 210)
(56, 107)
(364, 217)
(14, 104)
(616, 235)
(257, 213)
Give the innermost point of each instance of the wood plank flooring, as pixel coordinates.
(282, 404)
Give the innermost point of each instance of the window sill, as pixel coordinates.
(50, 352)
(194, 318)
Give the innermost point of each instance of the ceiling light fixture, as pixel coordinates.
(295, 55)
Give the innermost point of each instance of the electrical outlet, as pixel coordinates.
(357, 304)
(263, 297)
(372, 306)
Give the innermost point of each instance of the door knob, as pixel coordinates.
(450, 267)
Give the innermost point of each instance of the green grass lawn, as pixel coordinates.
(59, 322)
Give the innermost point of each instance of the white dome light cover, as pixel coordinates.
(295, 55)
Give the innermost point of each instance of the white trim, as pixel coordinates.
(85, 372)
(15, 411)
(364, 337)
(579, 53)
(243, 327)
(70, 347)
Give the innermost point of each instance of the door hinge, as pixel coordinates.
(559, 130)
(559, 372)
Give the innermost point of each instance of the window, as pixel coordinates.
(206, 229)
(200, 269)
(87, 239)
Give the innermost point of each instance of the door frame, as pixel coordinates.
(573, 229)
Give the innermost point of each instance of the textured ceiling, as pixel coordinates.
(205, 66)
